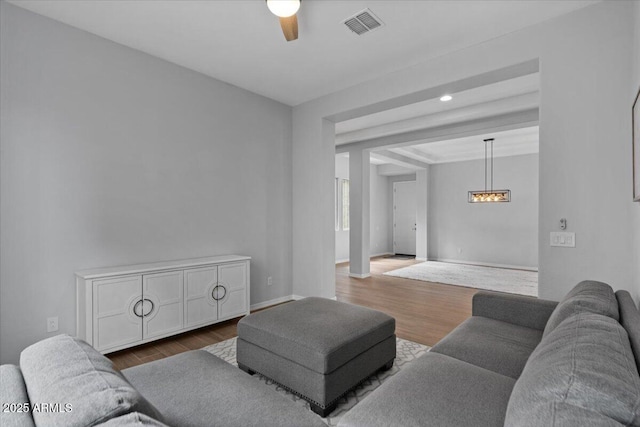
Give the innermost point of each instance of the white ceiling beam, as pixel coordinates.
(511, 104)
(389, 169)
(511, 72)
(414, 153)
(500, 123)
(400, 160)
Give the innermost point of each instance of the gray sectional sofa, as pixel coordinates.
(517, 361)
(80, 388)
(520, 361)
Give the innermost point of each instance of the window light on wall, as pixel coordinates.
(345, 204)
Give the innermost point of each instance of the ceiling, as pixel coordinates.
(514, 142)
(506, 96)
(240, 42)
(480, 104)
(507, 143)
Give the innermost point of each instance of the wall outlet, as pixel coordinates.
(52, 324)
(269, 281)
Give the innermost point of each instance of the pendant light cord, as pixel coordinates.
(486, 161)
(485, 165)
(492, 165)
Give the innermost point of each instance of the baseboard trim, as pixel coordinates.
(274, 301)
(340, 261)
(381, 254)
(360, 276)
(297, 297)
(421, 259)
(485, 264)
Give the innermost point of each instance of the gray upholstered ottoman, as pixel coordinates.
(316, 347)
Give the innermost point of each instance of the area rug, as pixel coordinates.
(520, 282)
(406, 352)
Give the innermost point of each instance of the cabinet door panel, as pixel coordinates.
(163, 303)
(233, 277)
(114, 323)
(199, 306)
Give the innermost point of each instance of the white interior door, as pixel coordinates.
(404, 218)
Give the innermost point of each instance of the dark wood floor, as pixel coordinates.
(424, 312)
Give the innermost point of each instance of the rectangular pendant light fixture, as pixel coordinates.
(489, 196)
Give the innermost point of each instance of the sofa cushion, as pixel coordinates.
(68, 371)
(198, 389)
(585, 364)
(491, 344)
(630, 321)
(318, 333)
(589, 296)
(519, 310)
(133, 419)
(435, 390)
(14, 393)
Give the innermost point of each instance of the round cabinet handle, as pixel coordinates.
(225, 292)
(152, 307)
(135, 308)
(214, 293)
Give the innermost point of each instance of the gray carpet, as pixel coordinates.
(407, 351)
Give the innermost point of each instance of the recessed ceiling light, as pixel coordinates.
(446, 98)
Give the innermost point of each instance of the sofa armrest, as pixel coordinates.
(13, 392)
(515, 309)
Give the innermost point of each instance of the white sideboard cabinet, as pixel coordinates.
(120, 307)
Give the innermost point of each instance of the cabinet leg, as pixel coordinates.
(246, 369)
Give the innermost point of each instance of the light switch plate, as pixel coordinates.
(563, 239)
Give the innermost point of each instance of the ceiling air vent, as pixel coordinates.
(363, 22)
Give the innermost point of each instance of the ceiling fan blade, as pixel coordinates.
(289, 27)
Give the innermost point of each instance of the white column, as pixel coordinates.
(422, 181)
(359, 232)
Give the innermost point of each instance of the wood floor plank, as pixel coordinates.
(171, 348)
(151, 358)
(425, 312)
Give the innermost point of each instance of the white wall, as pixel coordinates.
(585, 129)
(379, 213)
(111, 156)
(502, 233)
(635, 86)
(379, 221)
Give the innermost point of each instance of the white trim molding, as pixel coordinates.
(360, 276)
(340, 261)
(485, 264)
(271, 302)
(381, 254)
